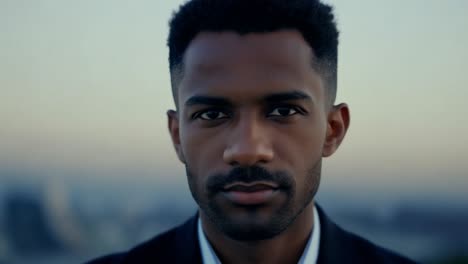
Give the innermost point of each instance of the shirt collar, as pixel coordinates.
(309, 256)
(207, 252)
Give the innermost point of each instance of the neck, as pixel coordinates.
(286, 247)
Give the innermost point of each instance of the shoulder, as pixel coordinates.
(368, 252)
(163, 247)
(160, 247)
(340, 246)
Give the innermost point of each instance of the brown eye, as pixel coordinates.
(212, 115)
(283, 112)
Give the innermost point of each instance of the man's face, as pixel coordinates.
(252, 127)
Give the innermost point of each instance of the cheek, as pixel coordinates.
(301, 145)
(202, 148)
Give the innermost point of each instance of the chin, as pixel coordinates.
(251, 225)
(252, 232)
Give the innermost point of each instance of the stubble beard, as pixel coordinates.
(257, 229)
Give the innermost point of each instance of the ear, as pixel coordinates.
(338, 123)
(174, 131)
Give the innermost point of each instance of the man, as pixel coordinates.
(254, 83)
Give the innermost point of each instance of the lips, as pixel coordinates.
(254, 193)
(250, 186)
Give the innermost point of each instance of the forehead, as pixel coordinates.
(217, 61)
(220, 50)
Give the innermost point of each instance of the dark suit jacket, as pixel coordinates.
(180, 245)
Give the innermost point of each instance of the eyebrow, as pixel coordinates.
(270, 98)
(286, 96)
(207, 100)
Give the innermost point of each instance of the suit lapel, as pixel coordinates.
(333, 242)
(187, 244)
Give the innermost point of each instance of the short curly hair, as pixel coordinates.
(312, 18)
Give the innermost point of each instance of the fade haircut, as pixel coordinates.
(312, 18)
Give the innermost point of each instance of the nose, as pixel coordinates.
(248, 144)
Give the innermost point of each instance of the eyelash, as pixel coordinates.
(299, 110)
(197, 115)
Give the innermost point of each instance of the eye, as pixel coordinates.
(210, 115)
(283, 111)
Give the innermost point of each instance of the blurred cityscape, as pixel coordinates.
(59, 222)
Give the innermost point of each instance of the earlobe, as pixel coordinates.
(174, 131)
(338, 123)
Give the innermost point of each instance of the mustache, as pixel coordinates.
(216, 183)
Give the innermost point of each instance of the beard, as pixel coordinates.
(257, 222)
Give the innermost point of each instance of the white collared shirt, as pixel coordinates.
(309, 256)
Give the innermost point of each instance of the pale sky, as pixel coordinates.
(85, 84)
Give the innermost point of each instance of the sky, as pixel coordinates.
(84, 85)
